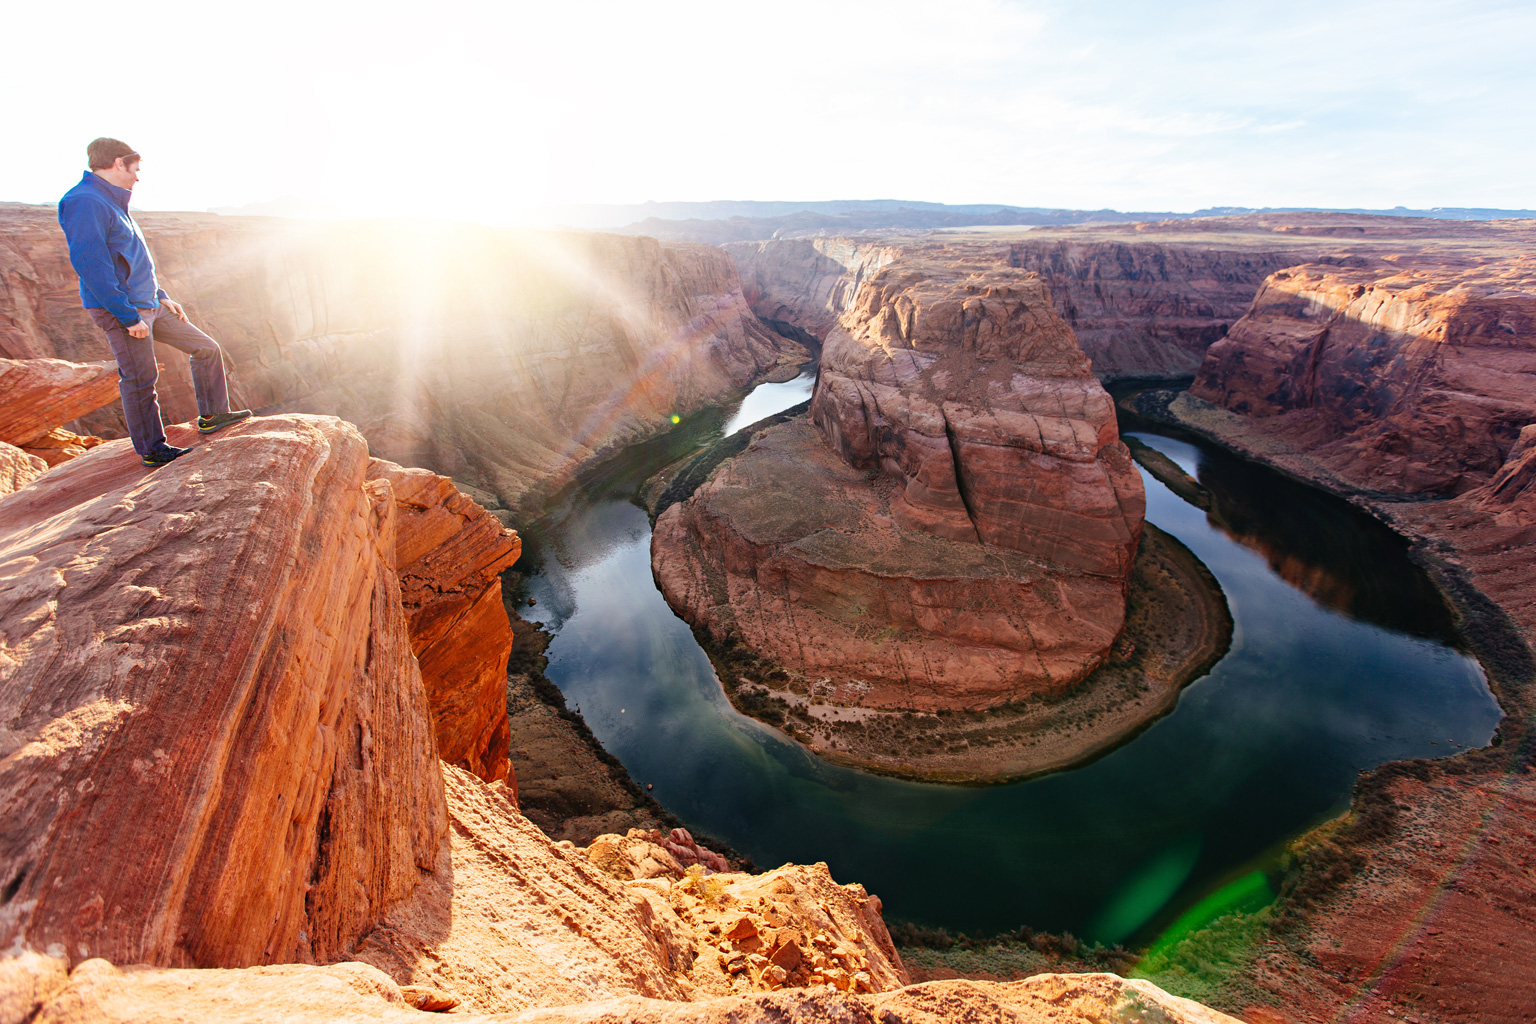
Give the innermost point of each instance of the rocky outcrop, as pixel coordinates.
(962, 384)
(41, 394)
(449, 553)
(214, 747)
(18, 468)
(1409, 381)
(353, 993)
(505, 359)
(964, 517)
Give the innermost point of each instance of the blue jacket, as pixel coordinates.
(108, 250)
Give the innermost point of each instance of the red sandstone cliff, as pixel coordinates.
(1146, 308)
(215, 740)
(1144, 299)
(963, 517)
(1411, 380)
(807, 282)
(505, 359)
(449, 553)
(1140, 307)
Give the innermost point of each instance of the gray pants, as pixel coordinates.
(137, 372)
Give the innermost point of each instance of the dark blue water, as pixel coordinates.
(1342, 658)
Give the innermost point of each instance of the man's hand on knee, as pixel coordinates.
(175, 307)
(139, 330)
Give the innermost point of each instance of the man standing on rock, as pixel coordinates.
(118, 289)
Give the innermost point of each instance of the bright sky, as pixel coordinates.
(477, 109)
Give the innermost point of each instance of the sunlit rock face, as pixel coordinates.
(1139, 304)
(449, 553)
(1410, 380)
(954, 525)
(41, 394)
(214, 741)
(505, 359)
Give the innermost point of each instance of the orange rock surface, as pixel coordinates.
(352, 993)
(41, 394)
(449, 553)
(964, 515)
(214, 748)
(18, 468)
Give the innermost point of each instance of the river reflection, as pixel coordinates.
(1268, 744)
(1334, 552)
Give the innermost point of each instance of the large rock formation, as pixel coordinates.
(1148, 307)
(964, 516)
(807, 283)
(1411, 380)
(504, 359)
(214, 736)
(449, 553)
(41, 394)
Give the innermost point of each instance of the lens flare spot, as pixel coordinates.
(676, 418)
(1146, 891)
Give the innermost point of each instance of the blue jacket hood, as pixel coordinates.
(108, 250)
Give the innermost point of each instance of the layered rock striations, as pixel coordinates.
(1408, 380)
(214, 747)
(1141, 305)
(504, 359)
(963, 384)
(449, 553)
(41, 394)
(964, 517)
(1144, 307)
(1145, 299)
(807, 283)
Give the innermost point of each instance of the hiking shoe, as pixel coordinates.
(162, 454)
(220, 420)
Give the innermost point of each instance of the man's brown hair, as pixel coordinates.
(102, 153)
